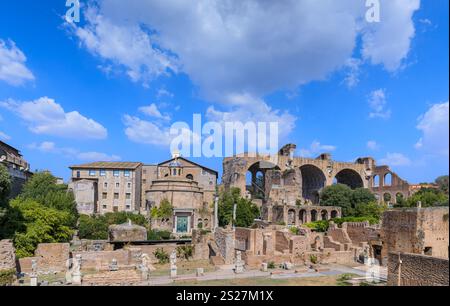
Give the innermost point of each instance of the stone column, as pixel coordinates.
(33, 275)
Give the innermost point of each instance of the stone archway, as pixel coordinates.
(324, 215)
(314, 215)
(334, 214)
(313, 180)
(349, 177)
(291, 217)
(302, 216)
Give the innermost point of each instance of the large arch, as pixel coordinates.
(313, 180)
(349, 177)
(256, 178)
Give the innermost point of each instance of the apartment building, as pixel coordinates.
(103, 187)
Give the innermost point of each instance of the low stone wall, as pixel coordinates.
(50, 257)
(101, 260)
(417, 270)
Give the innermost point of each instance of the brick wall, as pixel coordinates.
(417, 270)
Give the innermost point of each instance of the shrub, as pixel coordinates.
(313, 259)
(158, 235)
(318, 226)
(185, 251)
(246, 211)
(271, 265)
(295, 230)
(7, 277)
(162, 256)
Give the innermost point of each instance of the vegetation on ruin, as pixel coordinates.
(7, 277)
(246, 211)
(323, 225)
(96, 227)
(154, 234)
(164, 211)
(349, 200)
(161, 255)
(185, 252)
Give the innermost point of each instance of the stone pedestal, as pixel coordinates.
(264, 267)
(200, 272)
(76, 278)
(173, 271)
(33, 280)
(239, 265)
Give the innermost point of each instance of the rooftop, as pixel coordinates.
(108, 165)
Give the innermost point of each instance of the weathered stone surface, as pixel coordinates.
(417, 270)
(7, 255)
(127, 232)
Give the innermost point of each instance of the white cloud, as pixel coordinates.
(353, 67)
(316, 148)
(96, 156)
(146, 132)
(378, 104)
(153, 111)
(127, 45)
(162, 92)
(373, 145)
(434, 125)
(388, 42)
(45, 116)
(395, 159)
(4, 136)
(51, 147)
(12, 65)
(248, 109)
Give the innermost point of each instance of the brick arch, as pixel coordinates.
(350, 178)
(313, 181)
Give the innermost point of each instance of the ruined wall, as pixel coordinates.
(52, 256)
(282, 242)
(417, 270)
(416, 230)
(101, 260)
(360, 232)
(226, 244)
(7, 255)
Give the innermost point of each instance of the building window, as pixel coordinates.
(127, 173)
(190, 177)
(105, 206)
(144, 181)
(105, 185)
(78, 174)
(102, 172)
(92, 173)
(128, 207)
(129, 185)
(117, 185)
(116, 173)
(116, 196)
(128, 196)
(104, 195)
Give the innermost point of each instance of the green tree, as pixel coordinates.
(362, 196)
(442, 182)
(96, 227)
(246, 211)
(371, 209)
(5, 186)
(428, 198)
(43, 189)
(338, 195)
(40, 224)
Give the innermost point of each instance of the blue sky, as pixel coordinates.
(110, 86)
